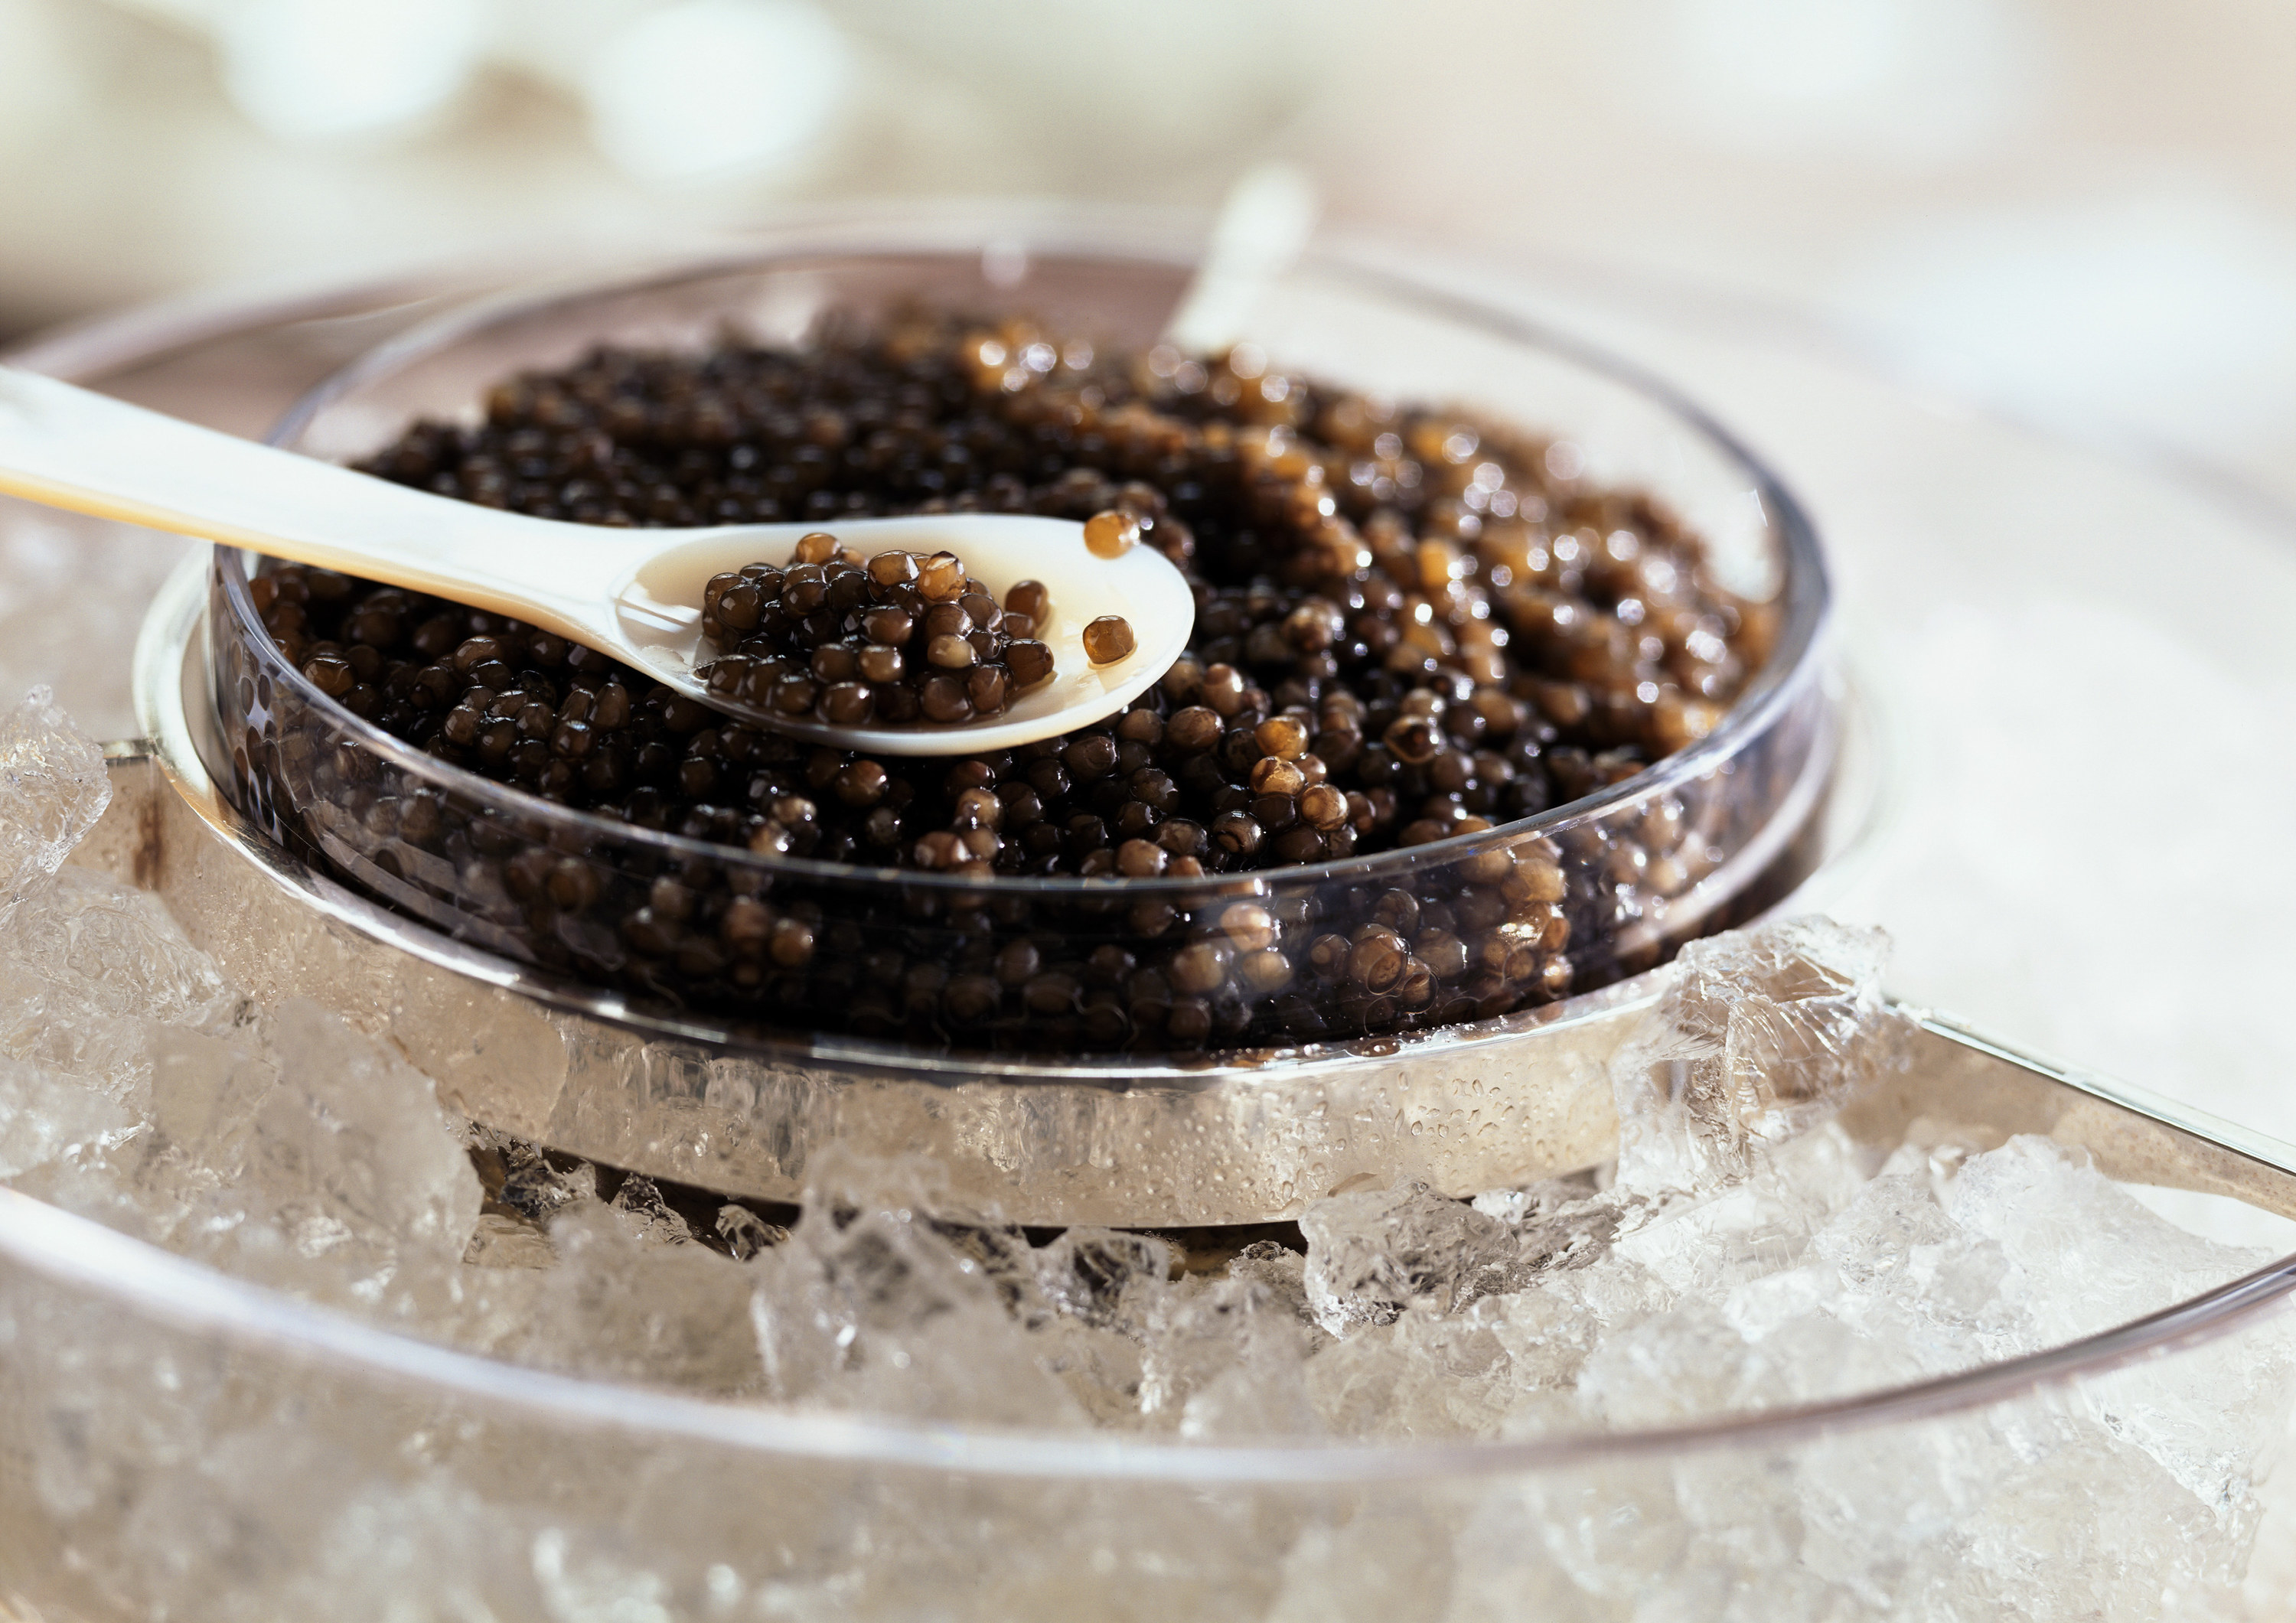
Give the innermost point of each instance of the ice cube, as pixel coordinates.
(207, 1087)
(1282, 1270)
(1761, 1035)
(48, 1123)
(1370, 1253)
(52, 788)
(1391, 1560)
(1550, 1329)
(1904, 1272)
(2080, 1254)
(624, 1303)
(1223, 1354)
(1092, 1313)
(2083, 1253)
(1426, 1373)
(1744, 1229)
(645, 1216)
(876, 1302)
(502, 1241)
(1104, 1278)
(527, 1179)
(352, 1142)
(97, 985)
(353, 1186)
(88, 965)
(1687, 1360)
(744, 1233)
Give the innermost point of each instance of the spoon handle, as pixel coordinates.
(66, 447)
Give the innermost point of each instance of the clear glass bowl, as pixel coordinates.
(1525, 914)
(188, 1445)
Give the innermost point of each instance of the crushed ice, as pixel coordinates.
(53, 787)
(1744, 1251)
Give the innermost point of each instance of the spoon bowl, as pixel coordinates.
(658, 618)
(633, 594)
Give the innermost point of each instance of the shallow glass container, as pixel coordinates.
(1542, 909)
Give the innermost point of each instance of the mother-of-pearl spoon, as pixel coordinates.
(632, 594)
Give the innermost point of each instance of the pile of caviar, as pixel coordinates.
(1409, 624)
(886, 641)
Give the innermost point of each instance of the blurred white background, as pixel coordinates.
(2078, 213)
(2083, 211)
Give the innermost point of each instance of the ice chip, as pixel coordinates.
(52, 788)
(876, 1302)
(501, 1241)
(1373, 1252)
(88, 965)
(646, 1217)
(743, 1232)
(1749, 1252)
(1760, 1035)
(46, 1119)
(622, 1303)
(528, 1180)
(352, 1156)
(1223, 1354)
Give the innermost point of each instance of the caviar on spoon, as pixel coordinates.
(637, 596)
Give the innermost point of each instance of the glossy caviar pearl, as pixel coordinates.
(872, 639)
(1109, 639)
(1112, 534)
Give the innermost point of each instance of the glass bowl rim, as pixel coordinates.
(1805, 590)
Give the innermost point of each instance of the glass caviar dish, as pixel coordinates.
(762, 947)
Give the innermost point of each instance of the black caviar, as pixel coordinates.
(1408, 624)
(889, 640)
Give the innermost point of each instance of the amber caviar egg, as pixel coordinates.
(1406, 606)
(1109, 639)
(1112, 534)
(892, 640)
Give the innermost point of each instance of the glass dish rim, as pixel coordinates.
(1798, 657)
(80, 1253)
